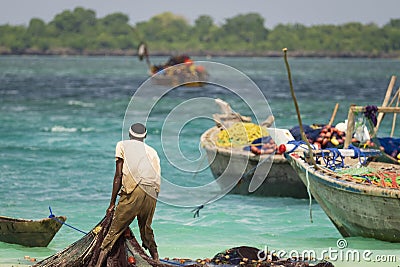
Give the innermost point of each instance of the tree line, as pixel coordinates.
(79, 31)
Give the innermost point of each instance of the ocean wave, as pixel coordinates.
(80, 103)
(63, 129)
(14, 108)
(9, 92)
(89, 129)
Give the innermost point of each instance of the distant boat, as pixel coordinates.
(279, 178)
(29, 233)
(179, 70)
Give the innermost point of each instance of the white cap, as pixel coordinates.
(141, 134)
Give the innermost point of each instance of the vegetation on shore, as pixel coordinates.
(80, 32)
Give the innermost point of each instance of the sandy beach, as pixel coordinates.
(24, 261)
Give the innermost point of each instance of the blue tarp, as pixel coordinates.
(391, 145)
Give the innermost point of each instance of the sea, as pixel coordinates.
(61, 117)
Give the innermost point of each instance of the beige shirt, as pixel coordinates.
(141, 165)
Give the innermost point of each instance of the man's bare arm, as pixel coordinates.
(116, 184)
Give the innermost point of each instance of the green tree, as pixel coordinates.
(248, 28)
(283, 36)
(203, 27)
(37, 27)
(79, 21)
(395, 23)
(80, 30)
(391, 32)
(105, 40)
(165, 28)
(116, 24)
(13, 37)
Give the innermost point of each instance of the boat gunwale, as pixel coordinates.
(21, 220)
(207, 143)
(30, 233)
(326, 177)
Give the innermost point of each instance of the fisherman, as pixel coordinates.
(137, 180)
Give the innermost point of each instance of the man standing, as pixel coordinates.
(137, 178)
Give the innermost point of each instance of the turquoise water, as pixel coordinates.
(61, 117)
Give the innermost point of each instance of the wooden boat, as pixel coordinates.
(280, 180)
(179, 70)
(30, 233)
(357, 205)
(355, 209)
(183, 74)
(272, 173)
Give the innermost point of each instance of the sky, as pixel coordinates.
(306, 12)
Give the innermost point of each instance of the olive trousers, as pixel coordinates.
(138, 204)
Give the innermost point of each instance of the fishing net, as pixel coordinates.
(125, 253)
(239, 255)
(240, 133)
(128, 253)
(253, 257)
(388, 177)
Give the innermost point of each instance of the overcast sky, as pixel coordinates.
(307, 12)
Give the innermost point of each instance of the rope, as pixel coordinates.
(358, 154)
(197, 210)
(298, 143)
(330, 162)
(309, 196)
(52, 216)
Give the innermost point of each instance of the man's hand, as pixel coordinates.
(110, 209)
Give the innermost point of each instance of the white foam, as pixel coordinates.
(80, 103)
(62, 129)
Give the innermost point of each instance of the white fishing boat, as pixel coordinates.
(246, 173)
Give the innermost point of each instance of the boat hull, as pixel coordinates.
(278, 177)
(179, 76)
(176, 81)
(355, 209)
(28, 232)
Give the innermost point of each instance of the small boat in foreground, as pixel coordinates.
(29, 233)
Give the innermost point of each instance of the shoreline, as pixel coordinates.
(132, 52)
